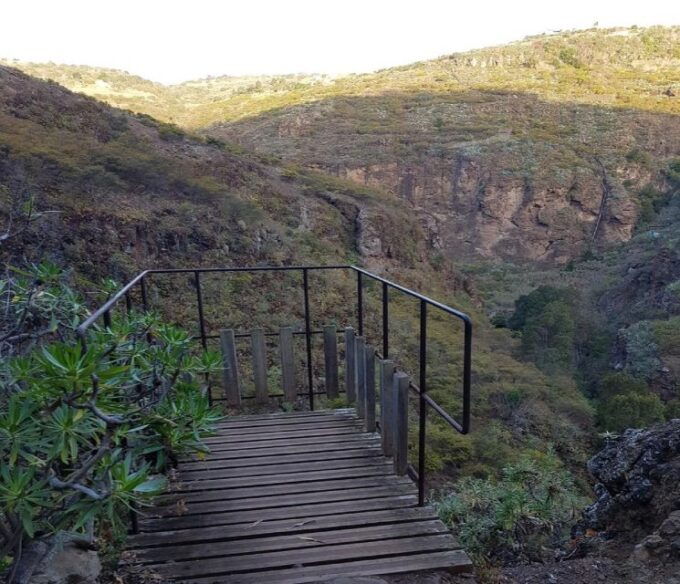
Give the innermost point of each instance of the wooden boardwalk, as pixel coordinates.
(289, 499)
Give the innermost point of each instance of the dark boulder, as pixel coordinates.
(638, 482)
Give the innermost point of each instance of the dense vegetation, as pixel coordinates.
(87, 425)
(578, 122)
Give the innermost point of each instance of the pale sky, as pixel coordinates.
(172, 41)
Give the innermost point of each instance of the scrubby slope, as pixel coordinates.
(536, 150)
(126, 192)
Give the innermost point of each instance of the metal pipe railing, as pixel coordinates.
(424, 399)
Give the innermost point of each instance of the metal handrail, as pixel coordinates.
(425, 400)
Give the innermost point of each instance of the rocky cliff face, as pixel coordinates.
(636, 516)
(489, 175)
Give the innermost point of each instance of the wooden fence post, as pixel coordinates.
(259, 365)
(350, 365)
(361, 376)
(401, 383)
(230, 379)
(287, 364)
(386, 406)
(330, 353)
(369, 425)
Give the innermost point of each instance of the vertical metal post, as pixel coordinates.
(422, 430)
(201, 325)
(385, 321)
(360, 304)
(467, 373)
(308, 338)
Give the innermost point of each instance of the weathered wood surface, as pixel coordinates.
(386, 406)
(230, 378)
(330, 351)
(259, 349)
(400, 423)
(286, 352)
(289, 499)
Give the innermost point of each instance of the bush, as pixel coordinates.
(513, 518)
(86, 428)
(630, 410)
(642, 352)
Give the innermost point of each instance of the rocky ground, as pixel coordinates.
(631, 533)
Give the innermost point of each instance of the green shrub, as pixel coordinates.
(642, 352)
(88, 425)
(513, 517)
(630, 410)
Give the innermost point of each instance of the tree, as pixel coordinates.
(630, 410)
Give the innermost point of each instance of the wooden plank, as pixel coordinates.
(259, 349)
(330, 352)
(386, 406)
(330, 430)
(229, 424)
(328, 422)
(295, 477)
(248, 418)
(282, 526)
(279, 501)
(285, 489)
(315, 455)
(341, 437)
(350, 366)
(232, 547)
(266, 450)
(230, 375)
(453, 561)
(369, 364)
(360, 346)
(400, 407)
(286, 352)
(298, 511)
(287, 558)
(294, 467)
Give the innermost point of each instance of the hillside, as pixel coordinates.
(126, 193)
(536, 185)
(533, 151)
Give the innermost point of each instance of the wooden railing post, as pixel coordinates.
(330, 353)
(361, 376)
(386, 406)
(286, 352)
(350, 365)
(369, 364)
(259, 365)
(230, 379)
(401, 383)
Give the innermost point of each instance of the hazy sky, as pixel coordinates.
(171, 41)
